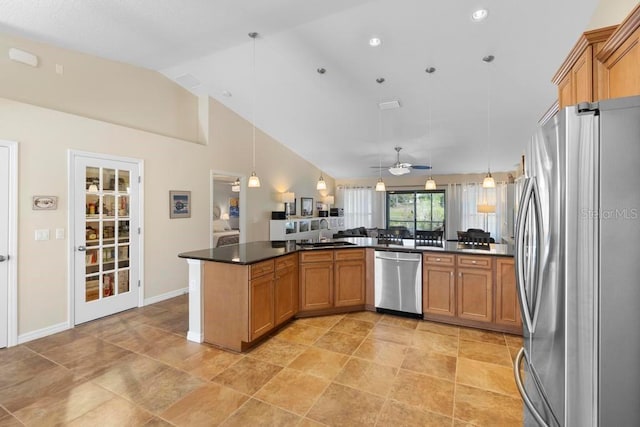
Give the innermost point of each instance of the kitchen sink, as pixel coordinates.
(325, 244)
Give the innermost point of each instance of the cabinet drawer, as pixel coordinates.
(474, 261)
(348, 254)
(286, 261)
(261, 268)
(316, 256)
(439, 259)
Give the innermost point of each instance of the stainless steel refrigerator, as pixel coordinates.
(578, 268)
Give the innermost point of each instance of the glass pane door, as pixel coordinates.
(106, 214)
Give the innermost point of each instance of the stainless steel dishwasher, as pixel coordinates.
(398, 283)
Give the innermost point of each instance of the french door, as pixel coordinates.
(106, 218)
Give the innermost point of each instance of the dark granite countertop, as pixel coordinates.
(252, 252)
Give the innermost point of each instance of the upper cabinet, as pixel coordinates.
(604, 63)
(620, 59)
(580, 73)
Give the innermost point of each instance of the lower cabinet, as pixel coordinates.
(332, 278)
(507, 305)
(286, 288)
(439, 285)
(471, 290)
(261, 306)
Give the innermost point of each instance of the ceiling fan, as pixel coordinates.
(402, 168)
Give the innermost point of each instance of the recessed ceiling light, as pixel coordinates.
(375, 42)
(479, 15)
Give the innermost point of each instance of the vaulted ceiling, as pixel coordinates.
(478, 112)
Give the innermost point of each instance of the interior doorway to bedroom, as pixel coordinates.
(227, 201)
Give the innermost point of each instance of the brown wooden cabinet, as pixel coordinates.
(316, 280)
(261, 308)
(620, 58)
(286, 288)
(507, 305)
(471, 290)
(350, 272)
(331, 279)
(439, 284)
(579, 75)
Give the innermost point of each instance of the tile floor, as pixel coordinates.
(136, 368)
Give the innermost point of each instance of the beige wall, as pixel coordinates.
(611, 12)
(46, 130)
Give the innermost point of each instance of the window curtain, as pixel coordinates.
(462, 209)
(363, 206)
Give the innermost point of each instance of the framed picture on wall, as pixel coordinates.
(179, 204)
(306, 206)
(234, 207)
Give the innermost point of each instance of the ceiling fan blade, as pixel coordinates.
(424, 167)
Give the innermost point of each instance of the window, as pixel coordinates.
(416, 210)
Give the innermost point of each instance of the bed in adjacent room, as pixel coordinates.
(223, 234)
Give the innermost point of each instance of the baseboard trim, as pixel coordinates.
(41, 333)
(195, 337)
(168, 295)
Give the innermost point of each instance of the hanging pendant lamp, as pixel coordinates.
(321, 185)
(380, 184)
(431, 183)
(488, 181)
(254, 181)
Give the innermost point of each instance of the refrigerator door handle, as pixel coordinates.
(519, 260)
(531, 195)
(525, 397)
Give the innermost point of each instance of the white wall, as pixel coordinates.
(611, 12)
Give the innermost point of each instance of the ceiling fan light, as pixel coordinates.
(321, 185)
(380, 185)
(430, 184)
(488, 181)
(399, 170)
(254, 181)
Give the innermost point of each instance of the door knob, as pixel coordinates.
(81, 248)
(3, 258)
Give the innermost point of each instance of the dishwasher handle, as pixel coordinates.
(398, 259)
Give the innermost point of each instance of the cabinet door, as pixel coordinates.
(349, 283)
(582, 77)
(507, 305)
(261, 315)
(475, 294)
(565, 92)
(286, 294)
(438, 296)
(316, 286)
(623, 68)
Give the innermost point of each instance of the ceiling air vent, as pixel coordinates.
(389, 105)
(187, 81)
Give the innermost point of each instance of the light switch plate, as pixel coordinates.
(42, 234)
(59, 233)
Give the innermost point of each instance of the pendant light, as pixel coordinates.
(488, 181)
(431, 183)
(235, 185)
(321, 185)
(380, 184)
(254, 181)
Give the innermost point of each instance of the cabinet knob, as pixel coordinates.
(473, 262)
(438, 259)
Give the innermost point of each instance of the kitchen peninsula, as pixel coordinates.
(240, 293)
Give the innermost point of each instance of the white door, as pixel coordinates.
(106, 236)
(4, 244)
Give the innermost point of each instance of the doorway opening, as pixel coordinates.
(228, 192)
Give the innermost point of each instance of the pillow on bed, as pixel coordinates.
(221, 225)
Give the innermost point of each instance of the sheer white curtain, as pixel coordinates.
(462, 209)
(363, 206)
